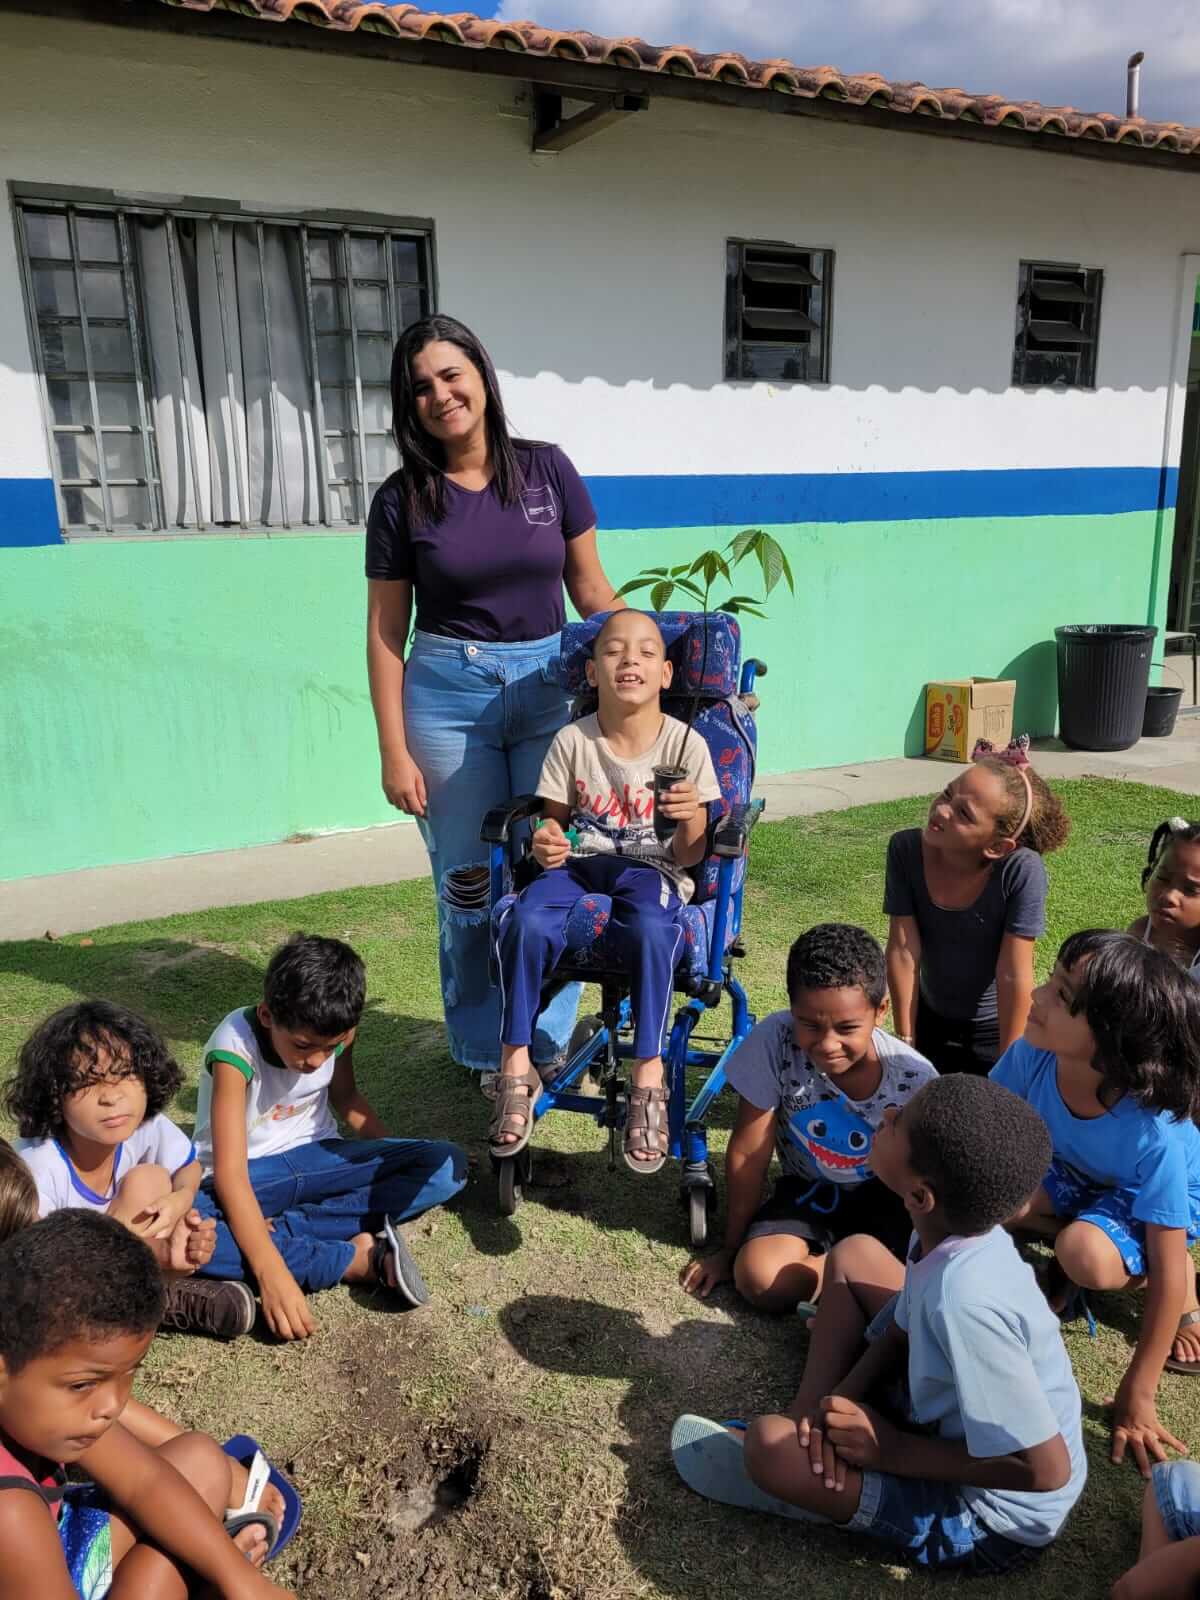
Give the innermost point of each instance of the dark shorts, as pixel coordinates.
(825, 1213)
(957, 1046)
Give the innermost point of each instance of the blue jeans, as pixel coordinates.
(320, 1195)
(479, 719)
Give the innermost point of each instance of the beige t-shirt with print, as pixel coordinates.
(612, 799)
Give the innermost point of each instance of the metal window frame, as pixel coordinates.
(1026, 267)
(733, 342)
(341, 226)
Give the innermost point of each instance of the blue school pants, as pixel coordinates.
(643, 934)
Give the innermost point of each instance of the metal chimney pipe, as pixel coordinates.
(1133, 82)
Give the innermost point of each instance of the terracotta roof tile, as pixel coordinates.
(464, 28)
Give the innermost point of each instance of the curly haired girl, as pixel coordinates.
(966, 896)
(88, 1098)
(1171, 879)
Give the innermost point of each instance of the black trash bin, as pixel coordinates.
(1162, 707)
(1103, 675)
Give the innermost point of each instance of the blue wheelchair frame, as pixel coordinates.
(688, 1134)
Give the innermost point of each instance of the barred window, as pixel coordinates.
(1058, 325)
(214, 370)
(778, 304)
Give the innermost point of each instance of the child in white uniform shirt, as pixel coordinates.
(298, 1207)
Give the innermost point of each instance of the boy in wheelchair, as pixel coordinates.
(598, 779)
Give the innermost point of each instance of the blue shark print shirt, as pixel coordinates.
(820, 1133)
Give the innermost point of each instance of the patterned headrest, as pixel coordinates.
(684, 635)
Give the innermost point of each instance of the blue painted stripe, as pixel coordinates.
(720, 501)
(28, 513)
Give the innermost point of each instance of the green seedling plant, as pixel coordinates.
(697, 577)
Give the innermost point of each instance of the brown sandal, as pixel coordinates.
(513, 1112)
(1189, 1369)
(645, 1129)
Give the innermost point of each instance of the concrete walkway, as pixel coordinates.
(71, 902)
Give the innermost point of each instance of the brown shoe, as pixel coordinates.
(226, 1310)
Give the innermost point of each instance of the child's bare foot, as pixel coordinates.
(252, 1540)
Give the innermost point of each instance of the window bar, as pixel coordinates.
(276, 430)
(39, 362)
(358, 394)
(177, 304)
(318, 401)
(85, 333)
(235, 440)
(391, 278)
(129, 282)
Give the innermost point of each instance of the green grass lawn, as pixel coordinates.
(543, 1381)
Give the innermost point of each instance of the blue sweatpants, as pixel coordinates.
(318, 1196)
(644, 934)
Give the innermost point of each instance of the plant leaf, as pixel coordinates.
(693, 589)
(742, 543)
(685, 566)
(773, 562)
(642, 582)
(661, 594)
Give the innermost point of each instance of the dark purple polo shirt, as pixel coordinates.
(487, 571)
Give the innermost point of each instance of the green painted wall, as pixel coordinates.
(167, 697)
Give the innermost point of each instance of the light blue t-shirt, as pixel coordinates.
(987, 1365)
(1155, 1159)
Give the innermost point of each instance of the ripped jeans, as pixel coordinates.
(479, 718)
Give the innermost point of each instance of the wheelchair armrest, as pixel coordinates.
(733, 830)
(500, 820)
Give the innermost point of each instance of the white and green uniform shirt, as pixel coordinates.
(283, 1108)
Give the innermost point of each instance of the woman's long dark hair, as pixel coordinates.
(1144, 1013)
(423, 458)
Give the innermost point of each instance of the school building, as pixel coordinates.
(939, 344)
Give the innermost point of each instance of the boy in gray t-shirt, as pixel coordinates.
(814, 1083)
(983, 1460)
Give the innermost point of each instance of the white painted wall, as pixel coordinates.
(597, 277)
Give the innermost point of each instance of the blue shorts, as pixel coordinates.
(85, 1533)
(1177, 1495)
(1110, 1210)
(932, 1524)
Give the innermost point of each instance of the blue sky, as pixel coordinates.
(1069, 52)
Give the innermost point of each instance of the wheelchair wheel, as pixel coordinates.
(586, 1028)
(512, 1178)
(698, 1217)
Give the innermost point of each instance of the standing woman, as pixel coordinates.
(482, 531)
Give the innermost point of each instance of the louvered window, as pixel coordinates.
(1058, 325)
(778, 300)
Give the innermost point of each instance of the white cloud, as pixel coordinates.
(1063, 52)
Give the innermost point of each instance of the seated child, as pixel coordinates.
(966, 896)
(813, 1085)
(80, 1298)
(19, 1209)
(1111, 1061)
(88, 1097)
(598, 778)
(989, 1459)
(1168, 1566)
(297, 1207)
(1171, 879)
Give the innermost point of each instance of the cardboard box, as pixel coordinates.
(961, 710)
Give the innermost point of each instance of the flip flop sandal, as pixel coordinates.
(513, 1108)
(408, 1282)
(645, 1130)
(712, 1461)
(1188, 1369)
(246, 1451)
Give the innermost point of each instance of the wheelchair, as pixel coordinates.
(705, 652)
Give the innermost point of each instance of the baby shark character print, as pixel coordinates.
(836, 1140)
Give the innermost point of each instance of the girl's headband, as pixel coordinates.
(1015, 754)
